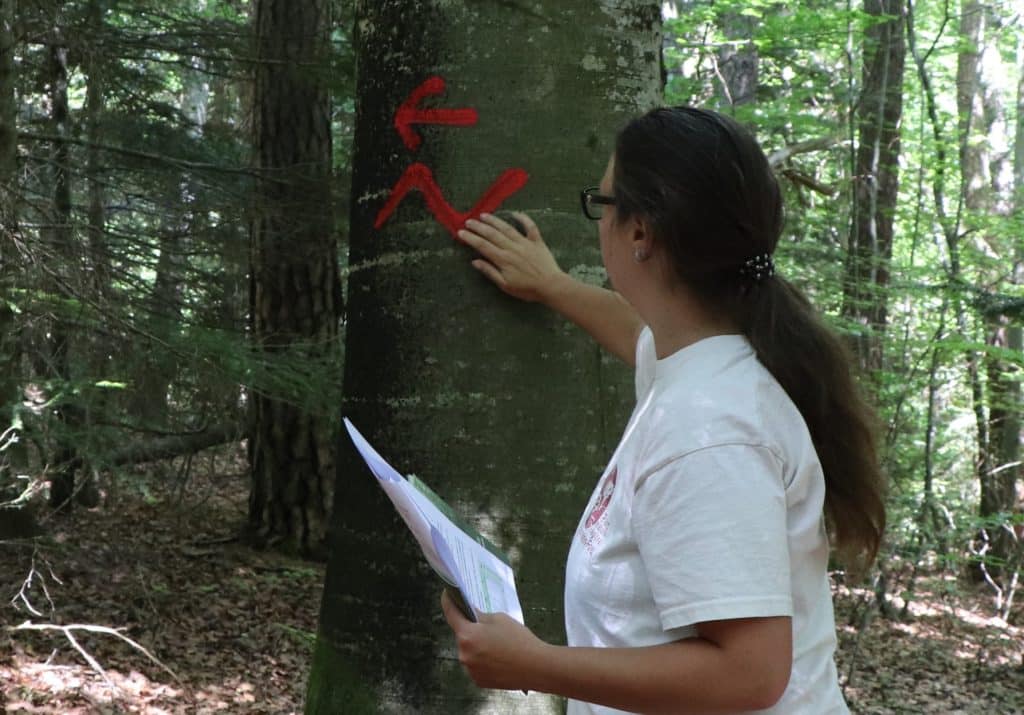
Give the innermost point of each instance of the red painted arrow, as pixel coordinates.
(418, 176)
(408, 113)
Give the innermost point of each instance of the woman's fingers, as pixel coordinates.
(452, 614)
(494, 230)
(491, 272)
(532, 232)
(520, 265)
(482, 245)
(504, 228)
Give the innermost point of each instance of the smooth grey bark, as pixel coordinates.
(737, 63)
(998, 409)
(507, 411)
(1011, 429)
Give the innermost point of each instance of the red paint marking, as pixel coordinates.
(418, 176)
(408, 113)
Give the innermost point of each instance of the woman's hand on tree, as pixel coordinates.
(521, 265)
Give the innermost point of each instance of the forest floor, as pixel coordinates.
(236, 626)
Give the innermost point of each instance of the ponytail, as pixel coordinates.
(707, 190)
(813, 366)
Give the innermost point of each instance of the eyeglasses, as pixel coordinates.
(593, 203)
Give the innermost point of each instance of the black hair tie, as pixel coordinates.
(758, 268)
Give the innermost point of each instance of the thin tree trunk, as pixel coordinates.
(9, 348)
(504, 409)
(62, 483)
(295, 291)
(8, 105)
(737, 63)
(163, 314)
(181, 229)
(877, 180)
(999, 485)
(99, 255)
(995, 408)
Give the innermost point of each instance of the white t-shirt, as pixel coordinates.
(709, 509)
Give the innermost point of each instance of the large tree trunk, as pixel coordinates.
(506, 410)
(876, 187)
(295, 291)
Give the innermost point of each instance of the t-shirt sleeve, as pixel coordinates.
(646, 362)
(711, 530)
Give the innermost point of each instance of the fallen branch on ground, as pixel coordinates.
(67, 631)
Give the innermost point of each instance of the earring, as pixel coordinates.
(639, 255)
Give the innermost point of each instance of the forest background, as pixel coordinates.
(177, 207)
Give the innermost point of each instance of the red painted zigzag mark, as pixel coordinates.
(418, 176)
(408, 113)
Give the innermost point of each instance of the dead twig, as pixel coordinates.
(68, 633)
(27, 585)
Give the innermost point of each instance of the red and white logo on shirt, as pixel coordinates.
(596, 524)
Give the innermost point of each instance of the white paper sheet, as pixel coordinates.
(486, 582)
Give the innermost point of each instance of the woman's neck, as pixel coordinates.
(677, 321)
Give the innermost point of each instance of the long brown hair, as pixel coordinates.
(705, 187)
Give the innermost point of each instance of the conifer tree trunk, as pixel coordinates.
(9, 349)
(95, 100)
(8, 103)
(181, 232)
(295, 296)
(877, 179)
(508, 412)
(62, 482)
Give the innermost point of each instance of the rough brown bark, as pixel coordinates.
(295, 296)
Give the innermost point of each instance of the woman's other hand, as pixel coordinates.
(521, 266)
(497, 651)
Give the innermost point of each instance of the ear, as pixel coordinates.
(642, 241)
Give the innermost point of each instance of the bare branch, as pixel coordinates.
(26, 585)
(67, 631)
(787, 152)
(803, 180)
(170, 161)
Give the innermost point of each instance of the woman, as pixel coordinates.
(696, 580)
